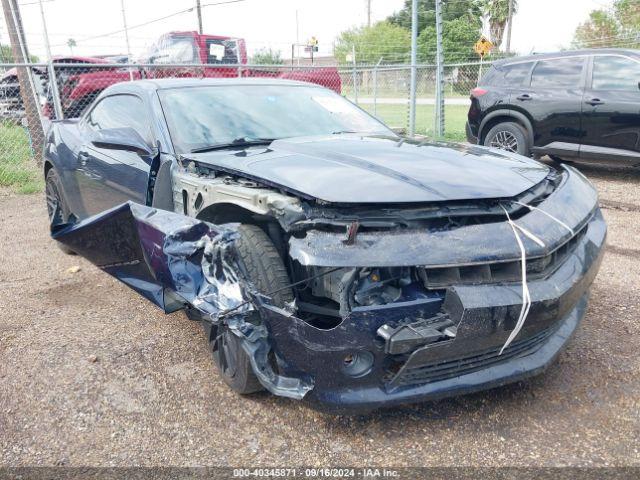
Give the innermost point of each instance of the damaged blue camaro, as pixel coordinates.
(328, 259)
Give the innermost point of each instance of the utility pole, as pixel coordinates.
(199, 12)
(126, 38)
(297, 38)
(439, 117)
(368, 13)
(414, 67)
(510, 21)
(53, 81)
(27, 86)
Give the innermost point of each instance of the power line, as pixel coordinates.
(155, 20)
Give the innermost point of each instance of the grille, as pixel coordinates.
(453, 368)
(442, 277)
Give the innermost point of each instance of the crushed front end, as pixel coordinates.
(424, 311)
(392, 304)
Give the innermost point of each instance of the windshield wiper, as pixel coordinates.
(237, 143)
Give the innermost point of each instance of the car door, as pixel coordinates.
(611, 109)
(107, 177)
(553, 100)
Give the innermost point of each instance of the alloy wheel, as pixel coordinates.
(54, 206)
(505, 140)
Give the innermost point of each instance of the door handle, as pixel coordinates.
(594, 101)
(524, 96)
(83, 158)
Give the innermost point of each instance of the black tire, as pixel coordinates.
(267, 272)
(54, 196)
(508, 136)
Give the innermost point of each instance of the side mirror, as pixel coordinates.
(125, 138)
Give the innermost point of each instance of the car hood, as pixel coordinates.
(356, 169)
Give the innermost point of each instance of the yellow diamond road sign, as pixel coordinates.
(483, 46)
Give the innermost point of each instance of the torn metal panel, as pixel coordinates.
(159, 254)
(175, 261)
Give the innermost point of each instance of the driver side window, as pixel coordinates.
(118, 111)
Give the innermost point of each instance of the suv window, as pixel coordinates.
(118, 111)
(561, 72)
(516, 74)
(615, 73)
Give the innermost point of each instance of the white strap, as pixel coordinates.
(526, 298)
(557, 220)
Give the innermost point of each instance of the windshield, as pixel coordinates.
(199, 117)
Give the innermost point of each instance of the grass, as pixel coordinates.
(455, 117)
(18, 169)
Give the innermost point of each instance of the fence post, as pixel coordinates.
(375, 88)
(414, 71)
(355, 74)
(439, 110)
(53, 82)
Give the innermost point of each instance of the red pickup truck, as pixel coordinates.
(202, 56)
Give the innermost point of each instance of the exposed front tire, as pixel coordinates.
(267, 272)
(508, 136)
(57, 207)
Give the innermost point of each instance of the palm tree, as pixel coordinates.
(497, 12)
(71, 43)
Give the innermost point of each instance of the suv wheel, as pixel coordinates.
(267, 272)
(508, 136)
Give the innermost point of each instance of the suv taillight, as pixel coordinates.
(478, 92)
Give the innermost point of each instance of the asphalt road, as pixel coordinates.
(93, 375)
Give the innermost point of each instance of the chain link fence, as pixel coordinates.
(66, 90)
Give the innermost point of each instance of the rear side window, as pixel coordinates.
(515, 75)
(615, 73)
(561, 72)
(492, 77)
(118, 111)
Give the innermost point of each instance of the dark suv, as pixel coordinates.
(577, 105)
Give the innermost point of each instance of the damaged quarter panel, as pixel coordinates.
(417, 270)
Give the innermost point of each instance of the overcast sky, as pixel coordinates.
(539, 25)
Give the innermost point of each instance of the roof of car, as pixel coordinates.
(165, 83)
(568, 53)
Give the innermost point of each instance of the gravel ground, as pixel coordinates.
(93, 375)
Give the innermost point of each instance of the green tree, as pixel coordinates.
(267, 56)
(617, 27)
(461, 25)
(6, 55)
(427, 12)
(458, 38)
(627, 12)
(383, 40)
